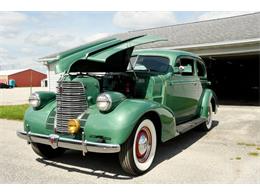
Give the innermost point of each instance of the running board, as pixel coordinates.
(182, 128)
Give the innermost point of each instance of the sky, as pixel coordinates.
(27, 36)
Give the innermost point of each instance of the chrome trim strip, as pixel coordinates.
(55, 141)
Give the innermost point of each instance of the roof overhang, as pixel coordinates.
(220, 48)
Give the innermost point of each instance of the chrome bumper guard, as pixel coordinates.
(56, 141)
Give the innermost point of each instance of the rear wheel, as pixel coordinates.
(137, 153)
(207, 125)
(47, 151)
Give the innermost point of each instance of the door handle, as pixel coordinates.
(171, 83)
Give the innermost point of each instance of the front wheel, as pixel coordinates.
(47, 151)
(137, 153)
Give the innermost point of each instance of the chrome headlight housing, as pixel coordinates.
(34, 100)
(104, 102)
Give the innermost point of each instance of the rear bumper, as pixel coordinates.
(56, 141)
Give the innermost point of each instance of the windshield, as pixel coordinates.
(149, 63)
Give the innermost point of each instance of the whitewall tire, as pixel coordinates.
(138, 152)
(208, 124)
(209, 119)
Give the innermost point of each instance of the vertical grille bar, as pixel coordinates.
(71, 102)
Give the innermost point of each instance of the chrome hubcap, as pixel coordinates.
(143, 144)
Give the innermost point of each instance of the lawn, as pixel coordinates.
(13, 112)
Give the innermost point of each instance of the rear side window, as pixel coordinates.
(187, 65)
(201, 72)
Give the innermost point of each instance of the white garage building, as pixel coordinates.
(229, 46)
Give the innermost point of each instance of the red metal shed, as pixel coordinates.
(25, 77)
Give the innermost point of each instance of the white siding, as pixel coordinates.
(52, 78)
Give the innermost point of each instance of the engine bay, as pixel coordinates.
(127, 83)
(123, 83)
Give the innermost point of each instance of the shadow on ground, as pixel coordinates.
(107, 165)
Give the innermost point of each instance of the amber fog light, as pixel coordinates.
(73, 126)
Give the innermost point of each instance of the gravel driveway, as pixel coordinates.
(226, 154)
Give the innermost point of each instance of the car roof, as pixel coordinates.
(164, 52)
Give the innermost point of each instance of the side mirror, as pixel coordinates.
(182, 69)
(178, 70)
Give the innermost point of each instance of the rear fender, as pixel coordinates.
(208, 96)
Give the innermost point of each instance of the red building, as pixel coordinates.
(23, 77)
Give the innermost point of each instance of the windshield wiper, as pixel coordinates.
(153, 70)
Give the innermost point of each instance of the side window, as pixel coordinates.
(200, 69)
(186, 65)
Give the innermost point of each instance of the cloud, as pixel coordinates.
(11, 18)
(9, 61)
(27, 50)
(3, 52)
(26, 36)
(50, 39)
(54, 14)
(5, 59)
(96, 36)
(58, 40)
(220, 14)
(9, 24)
(139, 20)
(8, 32)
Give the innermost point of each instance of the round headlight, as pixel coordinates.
(34, 100)
(104, 102)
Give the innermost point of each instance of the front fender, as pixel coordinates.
(35, 120)
(117, 125)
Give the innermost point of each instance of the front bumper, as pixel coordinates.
(56, 141)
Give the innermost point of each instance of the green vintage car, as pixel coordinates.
(114, 99)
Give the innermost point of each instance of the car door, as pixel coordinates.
(201, 74)
(181, 90)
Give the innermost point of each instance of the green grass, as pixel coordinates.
(253, 153)
(13, 112)
(245, 144)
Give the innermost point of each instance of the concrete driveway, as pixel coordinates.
(229, 153)
(18, 95)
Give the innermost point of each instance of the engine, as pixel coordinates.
(122, 83)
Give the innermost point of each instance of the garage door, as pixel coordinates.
(235, 78)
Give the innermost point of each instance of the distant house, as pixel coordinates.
(44, 82)
(23, 77)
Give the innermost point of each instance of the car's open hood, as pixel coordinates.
(106, 55)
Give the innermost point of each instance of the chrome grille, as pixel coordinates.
(71, 102)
